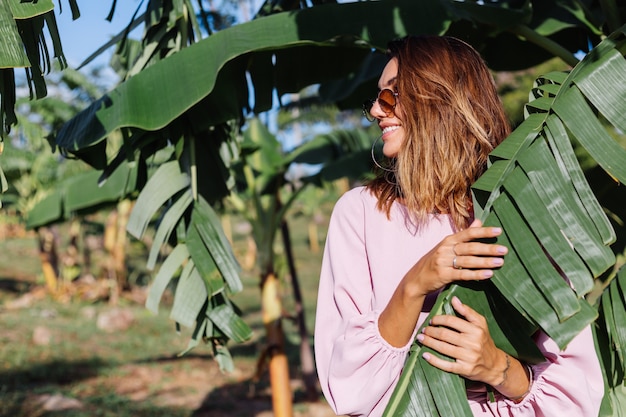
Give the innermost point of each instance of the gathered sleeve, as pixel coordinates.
(357, 368)
(365, 257)
(569, 383)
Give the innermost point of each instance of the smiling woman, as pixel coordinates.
(393, 245)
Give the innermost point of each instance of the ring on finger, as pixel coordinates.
(454, 265)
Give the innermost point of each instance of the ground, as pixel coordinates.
(56, 359)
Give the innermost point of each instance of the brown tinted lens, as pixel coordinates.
(386, 100)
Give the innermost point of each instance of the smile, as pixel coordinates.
(390, 129)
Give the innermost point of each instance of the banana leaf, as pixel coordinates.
(81, 194)
(553, 225)
(610, 336)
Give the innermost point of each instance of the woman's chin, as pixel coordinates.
(390, 153)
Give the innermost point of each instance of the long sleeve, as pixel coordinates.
(365, 257)
(569, 383)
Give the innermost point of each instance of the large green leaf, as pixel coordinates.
(166, 225)
(81, 194)
(230, 323)
(552, 223)
(166, 182)
(172, 263)
(11, 50)
(611, 344)
(27, 9)
(139, 103)
(190, 296)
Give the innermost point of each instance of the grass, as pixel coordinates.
(135, 372)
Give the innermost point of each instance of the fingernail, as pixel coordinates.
(496, 230)
(426, 356)
(502, 250)
(420, 338)
(487, 274)
(498, 261)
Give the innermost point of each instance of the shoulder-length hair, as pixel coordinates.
(452, 118)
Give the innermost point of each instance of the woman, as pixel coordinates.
(395, 243)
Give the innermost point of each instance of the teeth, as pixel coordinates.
(390, 128)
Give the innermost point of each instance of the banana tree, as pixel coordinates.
(264, 196)
(260, 175)
(202, 104)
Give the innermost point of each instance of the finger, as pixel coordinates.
(442, 347)
(466, 311)
(471, 274)
(474, 233)
(444, 330)
(443, 364)
(454, 330)
(480, 248)
(476, 262)
(441, 325)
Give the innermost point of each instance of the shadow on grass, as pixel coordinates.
(15, 286)
(243, 399)
(58, 372)
(107, 405)
(249, 397)
(112, 405)
(21, 390)
(16, 385)
(233, 398)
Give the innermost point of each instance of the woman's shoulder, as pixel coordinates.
(357, 198)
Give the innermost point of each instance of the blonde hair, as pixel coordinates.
(452, 118)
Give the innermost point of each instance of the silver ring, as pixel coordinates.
(454, 265)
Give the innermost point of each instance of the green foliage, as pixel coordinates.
(203, 98)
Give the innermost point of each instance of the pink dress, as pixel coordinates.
(366, 255)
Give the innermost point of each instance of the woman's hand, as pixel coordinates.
(467, 340)
(458, 257)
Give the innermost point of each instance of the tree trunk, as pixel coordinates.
(314, 243)
(119, 249)
(309, 376)
(251, 254)
(271, 306)
(49, 258)
(115, 247)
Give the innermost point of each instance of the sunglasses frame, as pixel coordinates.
(387, 107)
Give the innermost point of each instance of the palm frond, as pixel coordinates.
(552, 222)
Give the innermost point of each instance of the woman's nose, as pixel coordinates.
(376, 111)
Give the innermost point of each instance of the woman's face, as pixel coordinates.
(391, 126)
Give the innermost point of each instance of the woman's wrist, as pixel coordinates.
(515, 379)
(529, 373)
(505, 372)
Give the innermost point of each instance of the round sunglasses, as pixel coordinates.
(386, 100)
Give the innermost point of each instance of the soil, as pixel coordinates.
(197, 384)
(192, 384)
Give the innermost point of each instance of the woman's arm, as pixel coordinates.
(476, 357)
(449, 261)
(357, 368)
(568, 383)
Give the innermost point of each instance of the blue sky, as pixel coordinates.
(81, 37)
